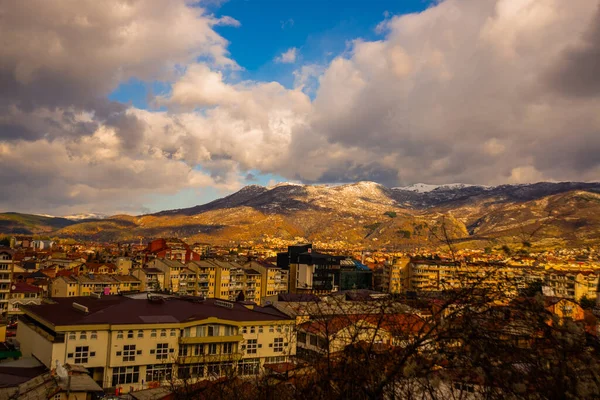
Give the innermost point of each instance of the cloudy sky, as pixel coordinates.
(140, 105)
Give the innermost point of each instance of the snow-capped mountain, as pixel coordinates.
(77, 217)
(425, 188)
(361, 213)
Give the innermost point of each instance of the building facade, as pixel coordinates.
(131, 343)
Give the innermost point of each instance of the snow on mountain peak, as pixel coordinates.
(425, 188)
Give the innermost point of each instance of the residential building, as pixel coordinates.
(253, 285)
(274, 280)
(86, 285)
(6, 271)
(151, 279)
(395, 275)
(207, 276)
(23, 294)
(172, 270)
(131, 343)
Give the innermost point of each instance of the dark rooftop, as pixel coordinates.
(125, 310)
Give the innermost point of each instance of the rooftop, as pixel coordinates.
(125, 310)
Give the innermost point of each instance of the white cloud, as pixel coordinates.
(474, 91)
(288, 56)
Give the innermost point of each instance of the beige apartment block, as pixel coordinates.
(132, 343)
(86, 285)
(207, 277)
(172, 270)
(151, 279)
(274, 280)
(395, 275)
(6, 272)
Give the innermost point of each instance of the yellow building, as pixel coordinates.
(206, 277)
(395, 275)
(151, 279)
(253, 284)
(86, 285)
(172, 270)
(274, 280)
(134, 343)
(6, 272)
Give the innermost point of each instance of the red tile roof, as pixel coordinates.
(22, 287)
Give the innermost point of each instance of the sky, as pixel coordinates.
(136, 106)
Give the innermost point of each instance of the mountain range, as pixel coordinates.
(363, 214)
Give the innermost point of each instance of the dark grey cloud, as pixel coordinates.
(578, 71)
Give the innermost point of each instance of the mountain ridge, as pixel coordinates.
(365, 213)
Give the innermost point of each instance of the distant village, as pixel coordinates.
(126, 317)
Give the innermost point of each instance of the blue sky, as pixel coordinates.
(319, 29)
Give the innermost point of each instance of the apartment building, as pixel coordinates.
(253, 285)
(6, 271)
(172, 269)
(572, 284)
(151, 279)
(207, 276)
(395, 275)
(274, 280)
(86, 285)
(431, 275)
(131, 343)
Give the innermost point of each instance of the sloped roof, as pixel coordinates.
(124, 310)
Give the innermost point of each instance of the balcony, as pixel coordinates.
(206, 358)
(210, 339)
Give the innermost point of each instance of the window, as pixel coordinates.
(83, 335)
(279, 328)
(313, 340)
(301, 337)
(198, 349)
(129, 334)
(271, 329)
(172, 332)
(129, 352)
(153, 333)
(163, 333)
(72, 335)
(123, 375)
(212, 348)
(244, 330)
(227, 348)
(251, 346)
(81, 354)
(278, 345)
(140, 334)
(158, 372)
(213, 330)
(162, 351)
(120, 335)
(260, 329)
(229, 330)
